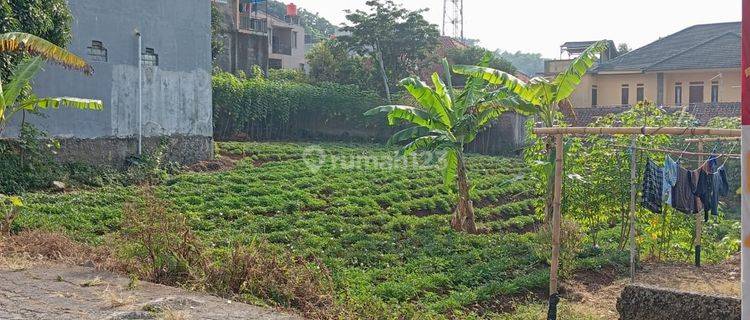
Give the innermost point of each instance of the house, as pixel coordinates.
(698, 65)
(165, 100)
(253, 37)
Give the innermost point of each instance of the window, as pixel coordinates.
(640, 93)
(97, 51)
(714, 91)
(221, 1)
(294, 39)
(150, 58)
(625, 99)
(678, 94)
(696, 92)
(594, 96)
(274, 63)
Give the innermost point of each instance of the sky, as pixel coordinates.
(541, 26)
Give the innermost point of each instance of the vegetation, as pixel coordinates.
(382, 230)
(472, 54)
(547, 96)
(446, 121)
(528, 63)
(331, 61)
(45, 19)
(261, 109)
(397, 39)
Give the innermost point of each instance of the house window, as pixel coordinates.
(150, 58)
(696, 92)
(294, 39)
(274, 63)
(625, 99)
(594, 96)
(678, 94)
(640, 93)
(97, 51)
(714, 91)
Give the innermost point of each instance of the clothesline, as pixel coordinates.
(680, 152)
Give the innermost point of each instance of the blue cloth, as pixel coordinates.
(669, 179)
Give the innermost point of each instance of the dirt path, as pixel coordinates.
(56, 291)
(596, 293)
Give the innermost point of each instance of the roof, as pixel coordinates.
(576, 45)
(451, 43)
(705, 46)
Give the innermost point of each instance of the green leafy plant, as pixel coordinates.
(12, 99)
(9, 206)
(445, 120)
(548, 96)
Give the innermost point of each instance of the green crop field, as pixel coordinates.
(381, 228)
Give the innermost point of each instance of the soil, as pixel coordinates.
(33, 289)
(596, 292)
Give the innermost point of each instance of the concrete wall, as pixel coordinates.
(284, 31)
(176, 93)
(609, 86)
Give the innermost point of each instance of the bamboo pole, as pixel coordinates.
(556, 221)
(680, 152)
(716, 139)
(698, 217)
(633, 181)
(638, 130)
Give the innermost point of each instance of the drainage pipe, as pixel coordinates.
(140, 93)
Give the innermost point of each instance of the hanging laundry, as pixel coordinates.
(683, 192)
(669, 179)
(653, 177)
(711, 186)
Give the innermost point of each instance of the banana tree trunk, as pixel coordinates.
(463, 216)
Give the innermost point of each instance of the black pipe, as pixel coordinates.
(698, 255)
(554, 299)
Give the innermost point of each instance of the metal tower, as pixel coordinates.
(453, 18)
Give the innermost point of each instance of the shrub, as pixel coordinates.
(262, 109)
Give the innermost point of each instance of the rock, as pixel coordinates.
(640, 302)
(171, 303)
(58, 186)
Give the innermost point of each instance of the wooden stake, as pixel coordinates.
(556, 215)
(698, 217)
(633, 182)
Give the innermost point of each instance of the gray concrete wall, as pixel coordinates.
(176, 93)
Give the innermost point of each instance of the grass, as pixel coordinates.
(382, 230)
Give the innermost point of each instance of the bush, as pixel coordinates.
(262, 109)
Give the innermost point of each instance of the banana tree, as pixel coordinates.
(548, 96)
(447, 120)
(12, 96)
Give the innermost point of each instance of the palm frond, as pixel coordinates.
(397, 112)
(428, 99)
(24, 42)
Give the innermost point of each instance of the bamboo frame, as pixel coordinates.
(559, 132)
(680, 152)
(638, 130)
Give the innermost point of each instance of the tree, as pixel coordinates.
(469, 55)
(217, 41)
(528, 63)
(447, 120)
(330, 61)
(12, 100)
(547, 95)
(47, 19)
(623, 49)
(398, 39)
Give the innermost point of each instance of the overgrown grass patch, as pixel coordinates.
(382, 231)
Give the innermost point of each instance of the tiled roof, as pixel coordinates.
(698, 47)
(702, 112)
